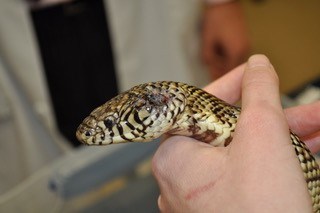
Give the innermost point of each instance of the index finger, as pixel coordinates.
(228, 87)
(304, 119)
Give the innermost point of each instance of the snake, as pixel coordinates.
(147, 111)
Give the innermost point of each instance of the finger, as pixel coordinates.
(313, 142)
(304, 120)
(228, 87)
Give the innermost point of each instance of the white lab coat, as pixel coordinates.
(156, 40)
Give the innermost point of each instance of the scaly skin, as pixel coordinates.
(150, 110)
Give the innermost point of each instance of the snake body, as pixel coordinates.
(149, 110)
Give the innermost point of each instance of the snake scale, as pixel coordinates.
(149, 110)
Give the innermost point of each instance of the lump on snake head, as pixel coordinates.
(158, 98)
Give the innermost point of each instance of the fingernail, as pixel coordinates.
(258, 61)
(160, 204)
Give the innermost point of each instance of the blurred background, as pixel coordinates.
(59, 59)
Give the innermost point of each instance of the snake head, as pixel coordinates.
(140, 114)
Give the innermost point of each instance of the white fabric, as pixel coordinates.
(156, 40)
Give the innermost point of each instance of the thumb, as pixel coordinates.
(262, 113)
(261, 145)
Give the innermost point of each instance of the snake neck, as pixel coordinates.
(206, 118)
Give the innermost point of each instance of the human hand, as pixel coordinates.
(225, 42)
(257, 172)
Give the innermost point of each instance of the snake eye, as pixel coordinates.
(87, 133)
(108, 123)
